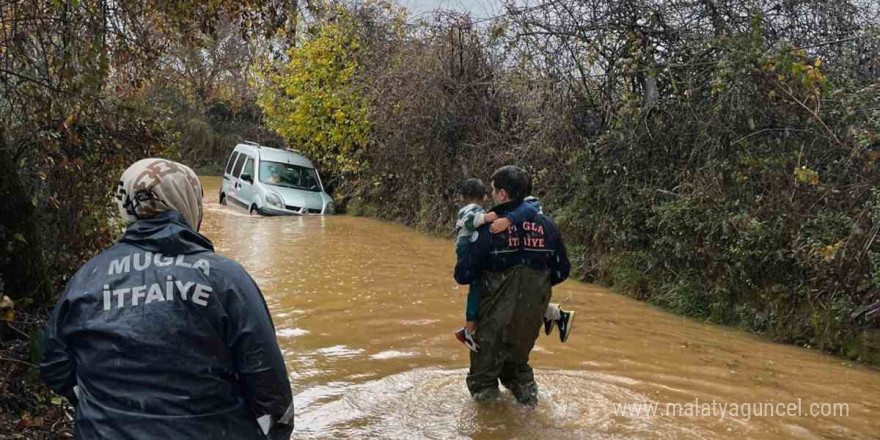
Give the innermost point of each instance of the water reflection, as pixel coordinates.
(365, 310)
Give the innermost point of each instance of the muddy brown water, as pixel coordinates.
(364, 312)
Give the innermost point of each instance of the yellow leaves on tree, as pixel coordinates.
(7, 309)
(806, 175)
(313, 101)
(828, 253)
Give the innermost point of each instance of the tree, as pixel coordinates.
(74, 77)
(313, 99)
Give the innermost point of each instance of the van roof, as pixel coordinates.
(277, 155)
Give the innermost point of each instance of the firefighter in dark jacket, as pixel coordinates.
(158, 337)
(517, 268)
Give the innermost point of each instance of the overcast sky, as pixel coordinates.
(477, 8)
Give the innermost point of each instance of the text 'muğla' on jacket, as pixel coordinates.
(166, 339)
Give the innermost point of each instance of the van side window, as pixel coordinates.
(249, 167)
(231, 162)
(238, 164)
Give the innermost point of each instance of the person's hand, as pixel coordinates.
(500, 225)
(491, 217)
(72, 397)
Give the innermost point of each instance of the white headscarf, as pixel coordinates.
(151, 186)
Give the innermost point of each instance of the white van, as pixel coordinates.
(269, 181)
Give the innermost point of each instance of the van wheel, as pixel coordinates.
(223, 199)
(254, 210)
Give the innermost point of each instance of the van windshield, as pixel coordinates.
(289, 176)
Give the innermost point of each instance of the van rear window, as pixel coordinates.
(231, 162)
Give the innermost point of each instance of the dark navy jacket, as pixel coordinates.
(534, 242)
(165, 339)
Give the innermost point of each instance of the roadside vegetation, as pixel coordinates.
(717, 158)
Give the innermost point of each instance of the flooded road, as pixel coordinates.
(365, 310)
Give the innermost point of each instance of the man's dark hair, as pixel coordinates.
(513, 180)
(473, 189)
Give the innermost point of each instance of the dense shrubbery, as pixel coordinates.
(712, 158)
(762, 218)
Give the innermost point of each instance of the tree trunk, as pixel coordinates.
(22, 270)
(649, 85)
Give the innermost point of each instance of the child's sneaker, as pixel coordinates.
(565, 323)
(467, 338)
(548, 326)
(549, 323)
